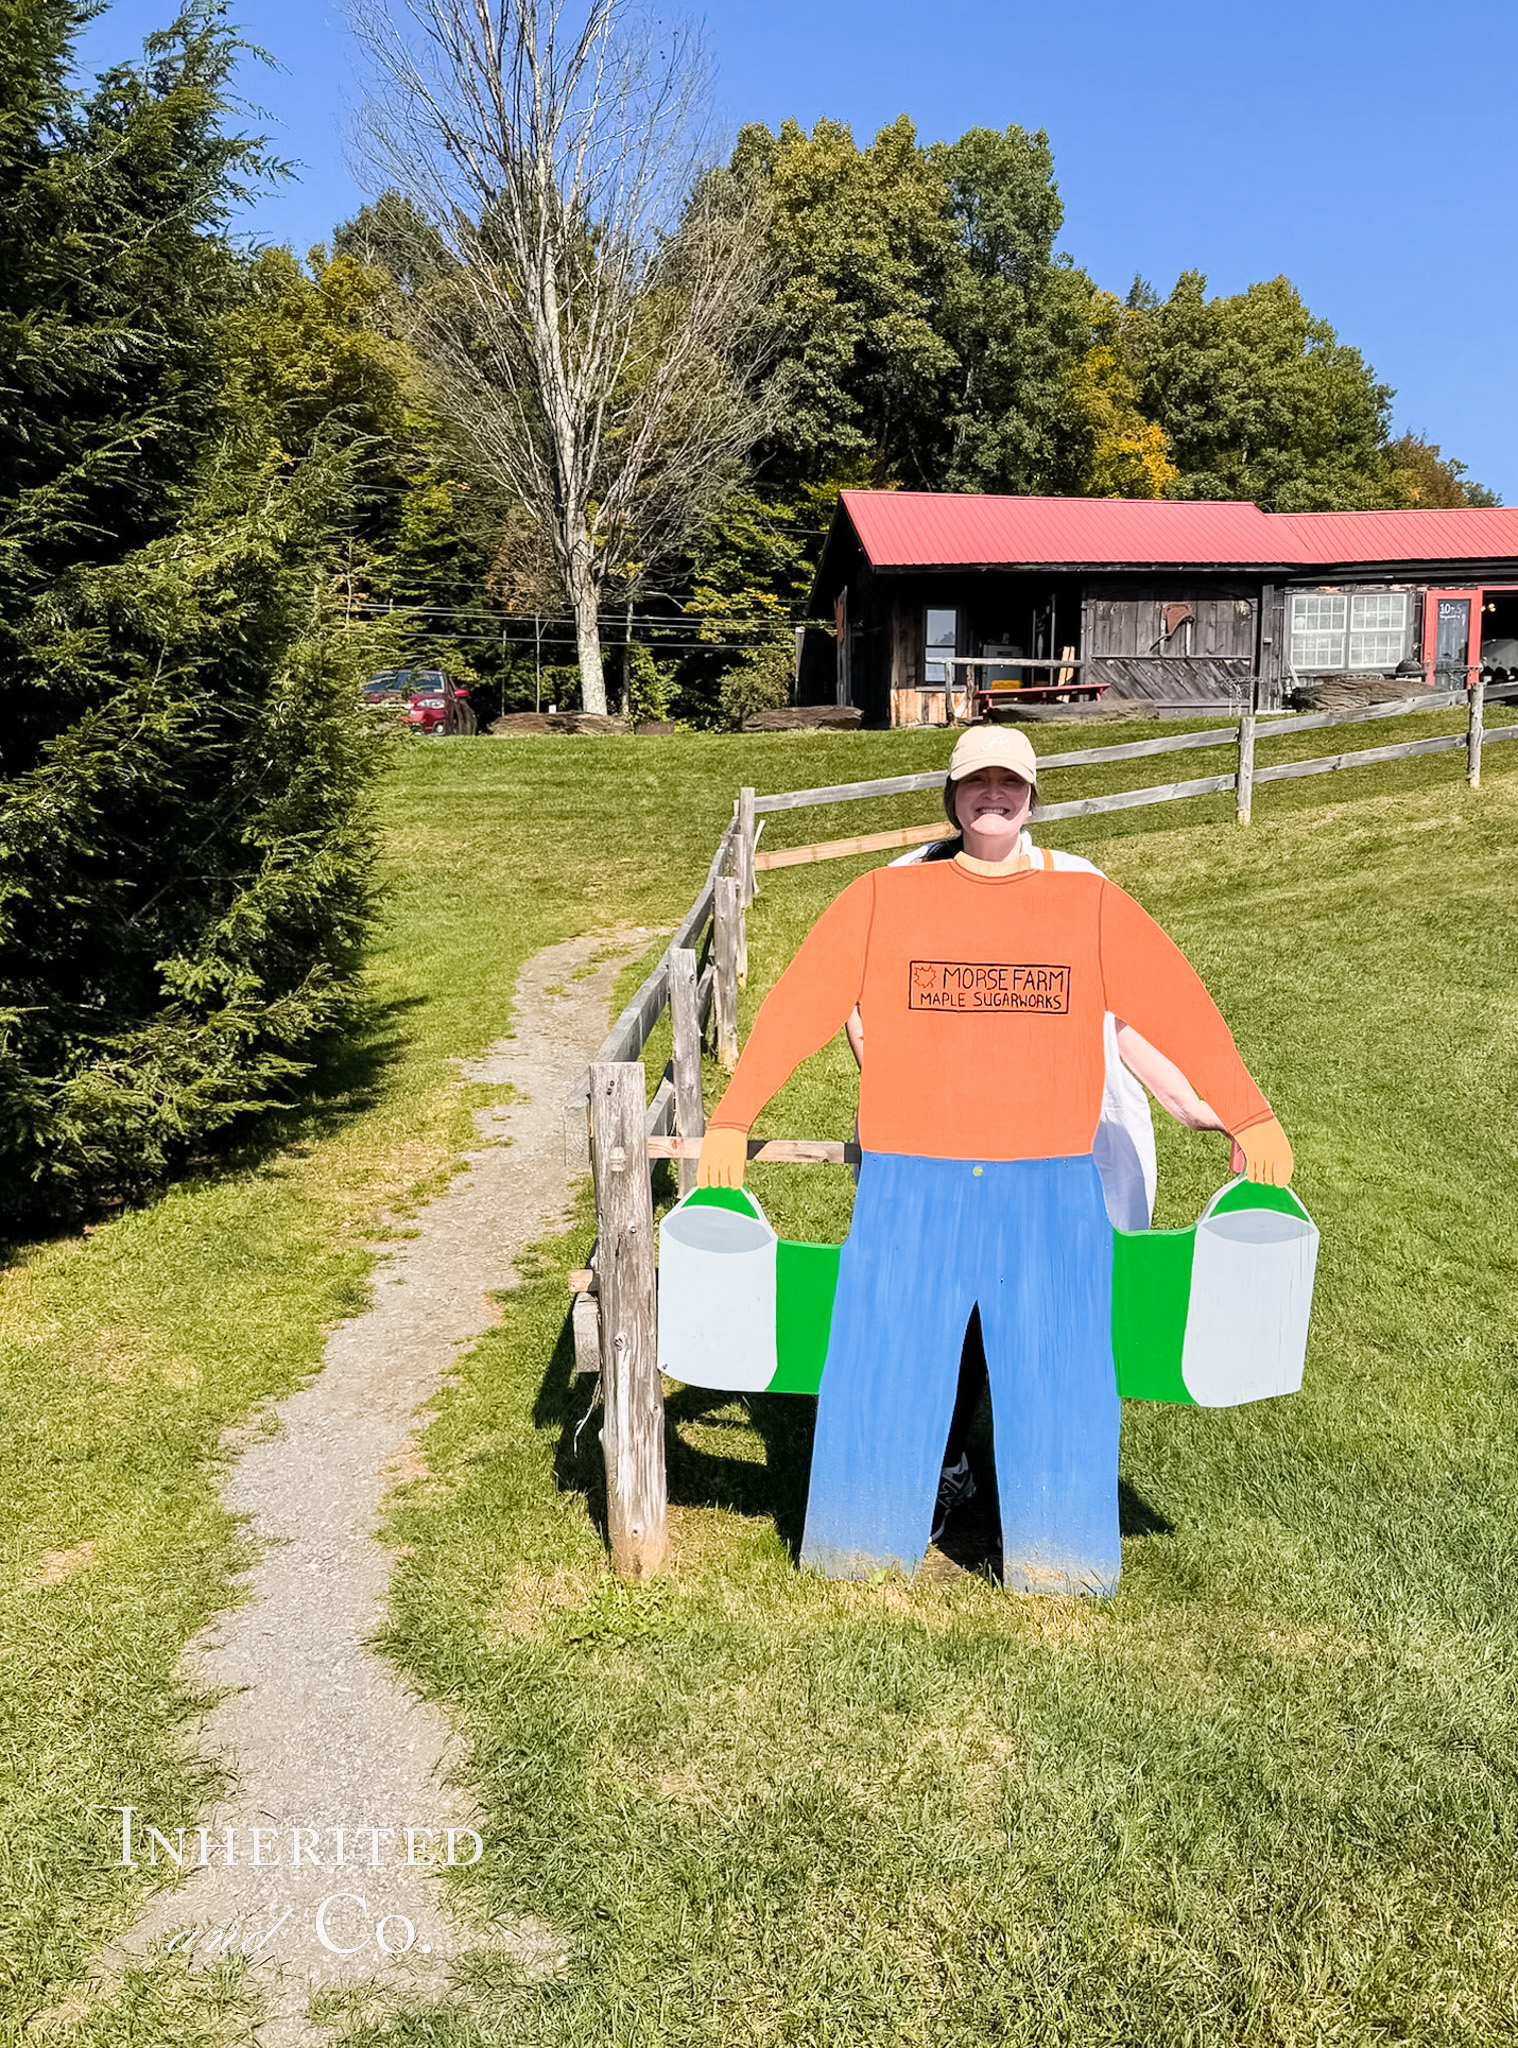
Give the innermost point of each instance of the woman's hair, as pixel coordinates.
(945, 849)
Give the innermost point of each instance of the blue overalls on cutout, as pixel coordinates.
(1029, 1241)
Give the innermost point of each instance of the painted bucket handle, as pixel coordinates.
(1272, 1199)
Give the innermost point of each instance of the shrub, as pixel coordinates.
(651, 687)
(761, 681)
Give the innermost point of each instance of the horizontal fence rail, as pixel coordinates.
(1133, 750)
(1243, 736)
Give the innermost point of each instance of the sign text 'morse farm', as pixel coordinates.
(980, 986)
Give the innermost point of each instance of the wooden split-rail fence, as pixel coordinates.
(615, 1311)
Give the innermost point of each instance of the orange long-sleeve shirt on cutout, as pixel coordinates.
(982, 999)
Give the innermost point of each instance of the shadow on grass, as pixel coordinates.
(346, 1078)
(776, 1488)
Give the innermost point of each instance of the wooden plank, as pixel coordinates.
(661, 1110)
(585, 1323)
(767, 1151)
(583, 1281)
(1491, 735)
(848, 792)
(840, 849)
(1139, 750)
(685, 1021)
(725, 959)
(1328, 764)
(746, 846)
(906, 785)
(628, 1036)
(1133, 799)
(695, 920)
(632, 1436)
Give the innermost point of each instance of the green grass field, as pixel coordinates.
(1265, 1795)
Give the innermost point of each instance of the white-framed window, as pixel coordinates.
(1365, 631)
(1377, 629)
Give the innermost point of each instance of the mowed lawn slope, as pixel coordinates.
(1267, 1794)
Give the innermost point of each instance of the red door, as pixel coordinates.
(1451, 637)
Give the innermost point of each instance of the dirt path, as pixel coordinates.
(335, 1759)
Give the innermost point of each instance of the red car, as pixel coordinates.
(425, 697)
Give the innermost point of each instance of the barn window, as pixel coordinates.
(1377, 628)
(1367, 631)
(1317, 631)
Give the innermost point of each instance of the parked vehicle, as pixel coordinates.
(424, 698)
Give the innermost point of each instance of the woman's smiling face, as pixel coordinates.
(992, 806)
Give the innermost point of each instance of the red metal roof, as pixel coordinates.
(932, 529)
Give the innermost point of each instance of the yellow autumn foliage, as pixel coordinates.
(1129, 455)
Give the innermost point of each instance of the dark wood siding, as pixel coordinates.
(1171, 641)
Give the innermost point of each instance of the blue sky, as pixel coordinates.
(1366, 150)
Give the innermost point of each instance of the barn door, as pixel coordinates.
(1451, 636)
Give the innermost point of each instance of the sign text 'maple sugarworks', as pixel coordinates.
(977, 987)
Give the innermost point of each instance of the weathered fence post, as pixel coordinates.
(685, 1021)
(1244, 785)
(1473, 738)
(632, 1436)
(734, 867)
(725, 960)
(746, 838)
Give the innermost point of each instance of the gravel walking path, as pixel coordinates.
(335, 1758)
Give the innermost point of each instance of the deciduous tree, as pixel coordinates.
(586, 331)
(1259, 399)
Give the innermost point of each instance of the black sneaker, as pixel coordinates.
(956, 1486)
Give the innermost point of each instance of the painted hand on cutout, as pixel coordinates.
(724, 1159)
(1267, 1153)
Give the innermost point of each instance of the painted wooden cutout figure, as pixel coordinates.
(983, 987)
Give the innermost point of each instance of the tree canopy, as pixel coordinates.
(921, 329)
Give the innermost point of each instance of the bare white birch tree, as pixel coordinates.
(589, 330)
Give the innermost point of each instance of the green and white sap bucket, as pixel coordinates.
(1216, 1314)
(739, 1307)
(1213, 1315)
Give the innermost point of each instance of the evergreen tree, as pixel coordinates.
(184, 848)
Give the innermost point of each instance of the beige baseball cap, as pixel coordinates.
(994, 746)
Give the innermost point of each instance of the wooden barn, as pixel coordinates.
(938, 599)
